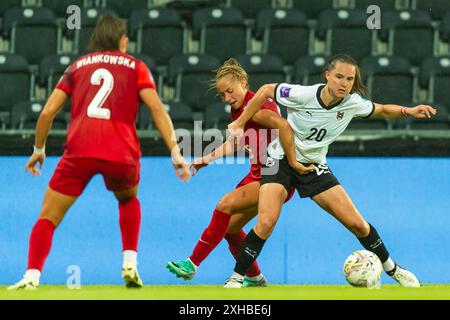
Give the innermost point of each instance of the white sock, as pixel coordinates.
(256, 278)
(33, 275)
(130, 256)
(388, 265)
(236, 275)
(195, 266)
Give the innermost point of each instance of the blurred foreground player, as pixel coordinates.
(105, 86)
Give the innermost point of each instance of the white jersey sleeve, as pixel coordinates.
(291, 95)
(365, 107)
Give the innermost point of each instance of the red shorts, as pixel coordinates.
(249, 178)
(73, 174)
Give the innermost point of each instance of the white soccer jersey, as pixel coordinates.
(315, 126)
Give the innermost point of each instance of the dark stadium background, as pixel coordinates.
(397, 171)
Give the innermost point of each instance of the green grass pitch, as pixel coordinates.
(200, 292)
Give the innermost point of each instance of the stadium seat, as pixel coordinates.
(5, 5)
(217, 115)
(383, 4)
(150, 63)
(440, 121)
(404, 30)
(284, 33)
(51, 69)
(181, 115)
(144, 118)
(389, 79)
(24, 115)
(399, 123)
(191, 75)
(148, 60)
(309, 70)
(250, 9)
(59, 7)
(4, 120)
(444, 28)
(345, 31)
(16, 81)
(221, 31)
(34, 32)
(89, 17)
(312, 8)
(436, 8)
(262, 69)
(159, 33)
(435, 77)
(367, 124)
(125, 8)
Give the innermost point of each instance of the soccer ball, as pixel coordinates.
(363, 269)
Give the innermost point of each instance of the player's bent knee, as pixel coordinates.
(55, 219)
(125, 200)
(126, 196)
(225, 205)
(234, 227)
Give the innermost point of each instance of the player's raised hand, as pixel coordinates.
(421, 111)
(197, 164)
(32, 162)
(182, 170)
(301, 169)
(235, 130)
(181, 167)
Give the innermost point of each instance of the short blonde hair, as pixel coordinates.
(230, 67)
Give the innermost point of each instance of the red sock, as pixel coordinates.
(211, 237)
(235, 241)
(130, 223)
(40, 243)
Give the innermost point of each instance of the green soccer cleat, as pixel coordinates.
(254, 283)
(131, 276)
(182, 269)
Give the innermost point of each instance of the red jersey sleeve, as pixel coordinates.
(271, 105)
(145, 78)
(65, 82)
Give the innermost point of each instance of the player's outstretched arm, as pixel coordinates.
(393, 111)
(53, 105)
(165, 126)
(228, 147)
(271, 120)
(266, 91)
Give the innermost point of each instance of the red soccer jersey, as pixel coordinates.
(104, 87)
(256, 136)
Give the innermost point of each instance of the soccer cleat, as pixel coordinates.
(404, 277)
(131, 276)
(24, 284)
(254, 283)
(182, 269)
(233, 283)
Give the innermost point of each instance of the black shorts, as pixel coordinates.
(309, 185)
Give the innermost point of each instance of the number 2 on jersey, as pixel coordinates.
(95, 109)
